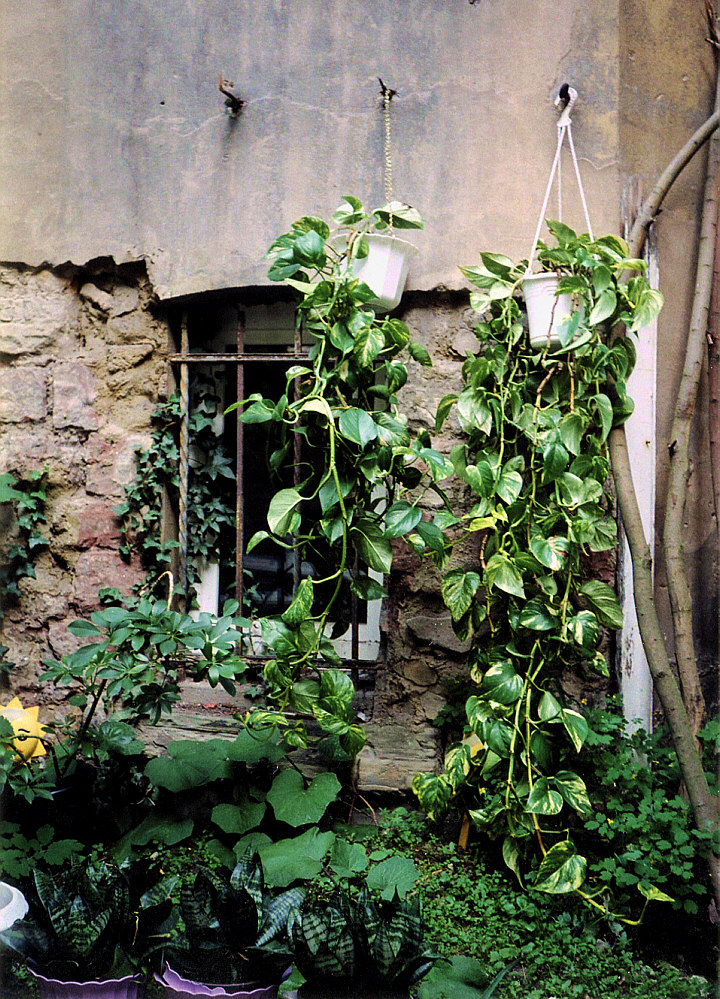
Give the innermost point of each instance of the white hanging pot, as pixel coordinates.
(546, 310)
(385, 268)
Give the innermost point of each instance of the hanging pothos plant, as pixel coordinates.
(357, 461)
(535, 465)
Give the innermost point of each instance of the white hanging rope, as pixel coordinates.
(564, 126)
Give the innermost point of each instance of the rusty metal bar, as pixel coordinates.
(239, 461)
(239, 358)
(184, 464)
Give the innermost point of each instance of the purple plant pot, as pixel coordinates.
(177, 987)
(112, 988)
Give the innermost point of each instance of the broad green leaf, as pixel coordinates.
(403, 216)
(347, 859)
(498, 736)
(481, 479)
(295, 859)
(562, 870)
(654, 894)
(238, 819)
(473, 412)
(549, 707)
(368, 588)
(550, 552)
(458, 589)
(283, 510)
(603, 600)
(433, 792)
(396, 874)
(604, 410)
(555, 461)
(650, 304)
(357, 426)
(433, 536)
(299, 806)
(401, 518)
(543, 800)
(571, 429)
(369, 342)
(7, 490)
(189, 764)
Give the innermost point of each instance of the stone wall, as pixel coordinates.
(81, 369)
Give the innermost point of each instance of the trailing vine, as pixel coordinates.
(357, 462)
(535, 464)
(28, 493)
(211, 491)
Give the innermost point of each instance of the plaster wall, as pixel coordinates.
(116, 141)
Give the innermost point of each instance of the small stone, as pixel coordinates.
(74, 395)
(23, 394)
(436, 629)
(100, 299)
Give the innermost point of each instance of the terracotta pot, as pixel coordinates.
(112, 988)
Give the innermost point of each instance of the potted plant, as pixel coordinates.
(232, 939)
(579, 294)
(357, 947)
(90, 931)
(362, 243)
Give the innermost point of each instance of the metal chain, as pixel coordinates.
(387, 97)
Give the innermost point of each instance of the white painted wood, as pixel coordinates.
(635, 679)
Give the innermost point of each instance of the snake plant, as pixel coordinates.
(233, 927)
(360, 942)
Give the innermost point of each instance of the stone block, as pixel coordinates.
(23, 394)
(74, 396)
(35, 309)
(436, 630)
(127, 356)
(97, 526)
(393, 755)
(97, 568)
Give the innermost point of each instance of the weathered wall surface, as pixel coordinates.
(117, 142)
(82, 369)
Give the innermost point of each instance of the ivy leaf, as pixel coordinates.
(419, 353)
(357, 426)
(562, 870)
(573, 790)
(604, 410)
(550, 552)
(372, 545)
(501, 573)
(283, 510)
(583, 628)
(299, 806)
(576, 727)
(604, 307)
(501, 683)
(443, 410)
(401, 518)
(458, 589)
(301, 605)
(543, 800)
(603, 600)
(509, 485)
(555, 460)
(473, 412)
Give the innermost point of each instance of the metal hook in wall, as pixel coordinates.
(232, 101)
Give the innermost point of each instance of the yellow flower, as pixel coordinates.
(27, 728)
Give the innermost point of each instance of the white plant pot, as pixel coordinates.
(385, 269)
(12, 905)
(546, 310)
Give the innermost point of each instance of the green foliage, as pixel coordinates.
(357, 463)
(28, 493)
(233, 929)
(91, 921)
(639, 832)
(534, 462)
(21, 854)
(211, 488)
